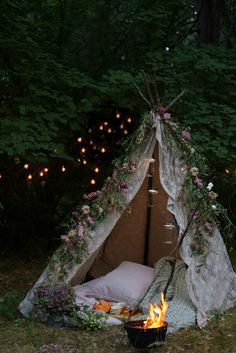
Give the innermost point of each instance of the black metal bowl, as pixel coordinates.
(140, 337)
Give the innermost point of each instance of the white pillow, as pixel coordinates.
(127, 283)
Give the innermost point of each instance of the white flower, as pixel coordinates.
(85, 209)
(209, 186)
(213, 207)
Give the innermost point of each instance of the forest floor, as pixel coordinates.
(19, 335)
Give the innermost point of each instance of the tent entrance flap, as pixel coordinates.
(126, 241)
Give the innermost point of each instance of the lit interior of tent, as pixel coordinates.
(145, 232)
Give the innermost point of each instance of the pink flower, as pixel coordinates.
(90, 221)
(208, 227)
(166, 116)
(194, 171)
(122, 184)
(80, 230)
(92, 195)
(162, 111)
(198, 182)
(186, 135)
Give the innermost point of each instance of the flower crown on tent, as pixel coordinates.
(112, 196)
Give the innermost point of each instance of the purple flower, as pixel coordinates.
(162, 111)
(186, 135)
(122, 184)
(90, 221)
(166, 116)
(198, 182)
(208, 227)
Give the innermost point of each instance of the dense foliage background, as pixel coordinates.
(66, 63)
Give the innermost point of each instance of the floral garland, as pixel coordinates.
(199, 192)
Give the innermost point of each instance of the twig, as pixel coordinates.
(142, 95)
(148, 88)
(176, 98)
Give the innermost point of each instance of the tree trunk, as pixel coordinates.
(210, 12)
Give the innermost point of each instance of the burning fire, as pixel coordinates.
(157, 314)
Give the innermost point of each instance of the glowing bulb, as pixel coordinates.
(90, 130)
(26, 166)
(125, 132)
(121, 126)
(117, 115)
(45, 170)
(84, 162)
(41, 174)
(101, 127)
(96, 170)
(103, 150)
(105, 123)
(91, 142)
(94, 148)
(63, 169)
(227, 171)
(93, 181)
(0, 176)
(109, 130)
(29, 177)
(79, 139)
(83, 150)
(79, 160)
(129, 120)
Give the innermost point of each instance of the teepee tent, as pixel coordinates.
(140, 214)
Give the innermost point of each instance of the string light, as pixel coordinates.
(45, 170)
(227, 171)
(129, 120)
(29, 177)
(92, 181)
(109, 130)
(41, 174)
(103, 150)
(0, 176)
(83, 150)
(90, 131)
(105, 123)
(79, 160)
(79, 139)
(84, 162)
(101, 127)
(125, 132)
(121, 126)
(117, 115)
(26, 166)
(63, 169)
(91, 142)
(96, 170)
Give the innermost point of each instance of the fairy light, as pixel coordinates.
(129, 120)
(91, 142)
(109, 130)
(26, 166)
(84, 162)
(103, 150)
(101, 127)
(29, 177)
(79, 139)
(94, 147)
(121, 126)
(41, 174)
(79, 160)
(117, 115)
(92, 181)
(97, 170)
(63, 169)
(90, 131)
(125, 132)
(45, 170)
(0, 176)
(227, 171)
(83, 150)
(105, 123)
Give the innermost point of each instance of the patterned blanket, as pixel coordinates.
(181, 311)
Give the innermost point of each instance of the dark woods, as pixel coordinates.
(67, 65)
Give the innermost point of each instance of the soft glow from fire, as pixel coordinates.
(157, 314)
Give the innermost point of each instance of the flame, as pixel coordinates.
(157, 314)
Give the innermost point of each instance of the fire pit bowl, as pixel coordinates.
(140, 337)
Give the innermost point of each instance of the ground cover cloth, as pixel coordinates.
(181, 310)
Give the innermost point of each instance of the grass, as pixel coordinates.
(19, 335)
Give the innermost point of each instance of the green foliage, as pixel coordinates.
(91, 320)
(8, 305)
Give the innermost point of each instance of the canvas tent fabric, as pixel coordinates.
(210, 279)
